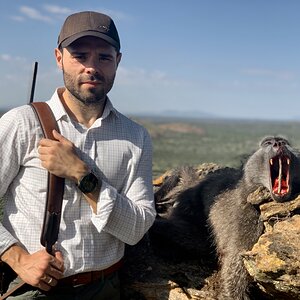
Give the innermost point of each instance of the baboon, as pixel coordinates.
(235, 223)
(215, 215)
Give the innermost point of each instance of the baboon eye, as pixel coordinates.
(268, 143)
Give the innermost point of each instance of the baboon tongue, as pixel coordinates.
(280, 185)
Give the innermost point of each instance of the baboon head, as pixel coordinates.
(275, 165)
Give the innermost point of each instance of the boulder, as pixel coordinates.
(274, 260)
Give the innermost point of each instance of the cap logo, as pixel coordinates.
(103, 27)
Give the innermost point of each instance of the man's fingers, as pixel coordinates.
(54, 273)
(48, 279)
(57, 261)
(58, 256)
(44, 286)
(60, 137)
(46, 143)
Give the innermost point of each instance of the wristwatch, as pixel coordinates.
(88, 183)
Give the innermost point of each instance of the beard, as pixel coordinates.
(92, 95)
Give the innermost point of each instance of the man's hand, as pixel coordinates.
(39, 269)
(60, 158)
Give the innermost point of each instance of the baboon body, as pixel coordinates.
(215, 213)
(180, 231)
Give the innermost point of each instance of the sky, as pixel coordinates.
(225, 58)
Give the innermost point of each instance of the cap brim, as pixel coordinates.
(68, 41)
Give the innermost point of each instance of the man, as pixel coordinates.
(106, 160)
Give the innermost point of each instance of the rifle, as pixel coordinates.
(55, 189)
(55, 193)
(34, 73)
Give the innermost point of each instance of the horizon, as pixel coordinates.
(180, 116)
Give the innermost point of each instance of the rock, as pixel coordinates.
(274, 260)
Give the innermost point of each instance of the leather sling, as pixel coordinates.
(56, 184)
(55, 189)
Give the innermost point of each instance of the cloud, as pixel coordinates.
(5, 57)
(55, 9)
(114, 14)
(49, 13)
(278, 74)
(34, 14)
(142, 77)
(12, 59)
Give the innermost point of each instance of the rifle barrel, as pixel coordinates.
(35, 68)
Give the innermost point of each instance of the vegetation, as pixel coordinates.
(192, 142)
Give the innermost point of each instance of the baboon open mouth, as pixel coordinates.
(280, 175)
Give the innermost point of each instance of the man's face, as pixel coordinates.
(89, 67)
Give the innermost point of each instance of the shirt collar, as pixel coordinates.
(59, 110)
(56, 105)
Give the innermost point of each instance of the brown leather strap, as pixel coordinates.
(46, 118)
(89, 277)
(56, 184)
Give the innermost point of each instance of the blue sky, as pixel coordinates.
(233, 58)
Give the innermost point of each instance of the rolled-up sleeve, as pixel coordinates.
(128, 216)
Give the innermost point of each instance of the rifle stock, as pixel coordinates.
(50, 230)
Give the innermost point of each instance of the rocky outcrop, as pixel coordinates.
(274, 261)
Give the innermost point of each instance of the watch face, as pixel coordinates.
(88, 183)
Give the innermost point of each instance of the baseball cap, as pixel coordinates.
(88, 23)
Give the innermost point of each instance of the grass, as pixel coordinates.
(222, 142)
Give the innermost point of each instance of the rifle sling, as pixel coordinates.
(55, 189)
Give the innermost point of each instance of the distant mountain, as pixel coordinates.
(178, 114)
(196, 114)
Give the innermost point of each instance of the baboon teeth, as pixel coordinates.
(279, 175)
(288, 161)
(271, 161)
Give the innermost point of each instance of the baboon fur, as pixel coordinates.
(214, 217)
